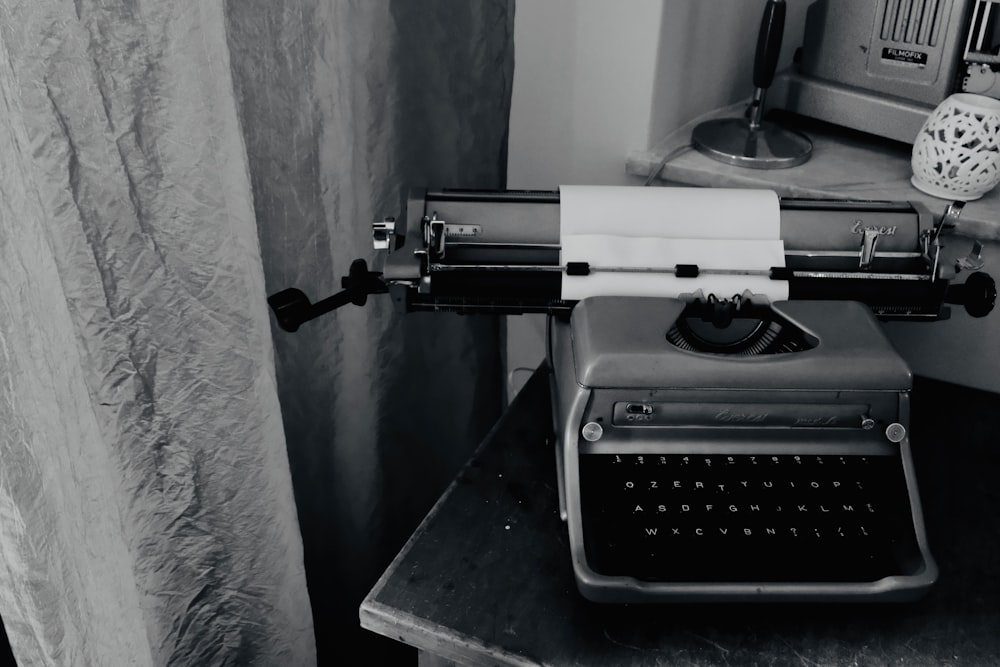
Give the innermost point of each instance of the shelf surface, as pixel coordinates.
(844, 164)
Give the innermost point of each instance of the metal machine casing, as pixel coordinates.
(613, 350)
(876, 66)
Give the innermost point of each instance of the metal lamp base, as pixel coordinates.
(769, 146)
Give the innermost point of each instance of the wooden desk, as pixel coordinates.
(486, 579)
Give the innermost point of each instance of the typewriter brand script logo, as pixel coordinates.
(860, 228)
(733, 417)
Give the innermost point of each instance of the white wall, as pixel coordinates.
(583, 89)
(595, 80)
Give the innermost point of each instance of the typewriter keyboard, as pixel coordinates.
(735, 518)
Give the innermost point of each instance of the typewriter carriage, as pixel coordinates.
(497, 252)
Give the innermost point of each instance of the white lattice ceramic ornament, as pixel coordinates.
(956, 154)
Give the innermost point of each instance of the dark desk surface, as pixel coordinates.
(486, 579)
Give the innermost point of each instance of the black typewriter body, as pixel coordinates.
(783, 473)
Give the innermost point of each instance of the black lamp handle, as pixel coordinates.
(772, 28)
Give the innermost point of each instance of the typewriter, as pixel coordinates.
(751, 445)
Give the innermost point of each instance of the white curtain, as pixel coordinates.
(146, 508)
(182, 483)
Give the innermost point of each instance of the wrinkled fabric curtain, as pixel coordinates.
(345, 105)
(181, 482)
(146, 510)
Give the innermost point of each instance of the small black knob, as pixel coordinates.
(978, 294)
(291, 307)
(360, 282)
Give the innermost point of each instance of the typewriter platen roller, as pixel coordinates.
(709, 446)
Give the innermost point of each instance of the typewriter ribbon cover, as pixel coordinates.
(632, 240)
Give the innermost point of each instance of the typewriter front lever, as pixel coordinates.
(292, 307)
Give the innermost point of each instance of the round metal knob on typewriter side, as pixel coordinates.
(592, 431)
(895, 432)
